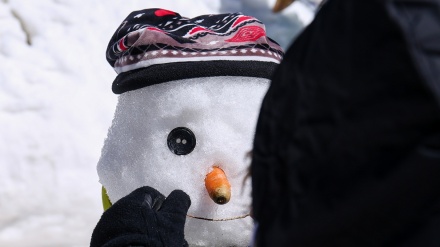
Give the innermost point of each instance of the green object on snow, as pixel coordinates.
(106, 203)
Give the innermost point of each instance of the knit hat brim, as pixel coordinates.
(159, 73)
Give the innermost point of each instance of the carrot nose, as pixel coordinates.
(218, 186)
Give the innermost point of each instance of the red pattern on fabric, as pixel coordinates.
(245, 34)
(163, 12)
(198, 29)
(155, 29)
(227, 33)
(121, 45)
(241, 19)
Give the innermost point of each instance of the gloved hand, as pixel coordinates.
(144, 218)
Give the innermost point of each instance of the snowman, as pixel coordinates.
(190, 92)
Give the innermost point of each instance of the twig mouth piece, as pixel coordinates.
(224, 219)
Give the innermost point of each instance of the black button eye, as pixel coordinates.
(181, 141)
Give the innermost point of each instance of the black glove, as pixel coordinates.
(144, 218)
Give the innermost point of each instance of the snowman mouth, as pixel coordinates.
(222, 219)
(107, 204)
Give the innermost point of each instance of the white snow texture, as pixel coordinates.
(56, 107)
(221, 112)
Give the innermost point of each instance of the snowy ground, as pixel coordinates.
(56, 105)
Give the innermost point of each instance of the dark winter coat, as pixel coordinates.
(347, 147)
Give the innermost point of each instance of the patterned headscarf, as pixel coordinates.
(155, 45)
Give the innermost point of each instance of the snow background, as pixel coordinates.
(56, 106)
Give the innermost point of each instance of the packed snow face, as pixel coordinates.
(221, 112)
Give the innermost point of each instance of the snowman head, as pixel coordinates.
(190, 92)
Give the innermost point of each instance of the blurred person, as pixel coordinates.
(347, 145)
